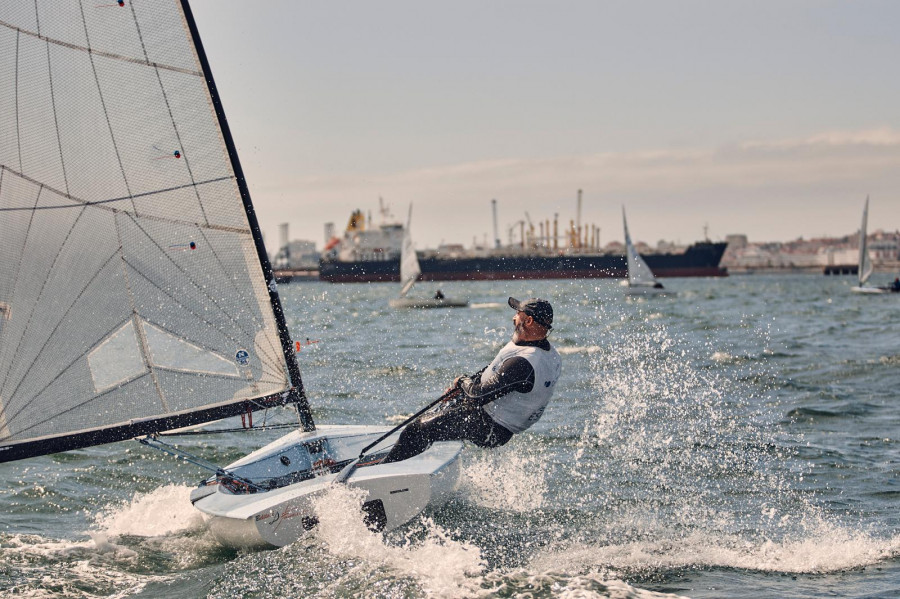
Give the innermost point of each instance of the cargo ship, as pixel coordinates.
(372, 254)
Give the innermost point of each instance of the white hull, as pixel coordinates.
(871, 290)
(408, 302)
(396, 492)
(641, 291)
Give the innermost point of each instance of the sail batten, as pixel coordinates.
(140, 297)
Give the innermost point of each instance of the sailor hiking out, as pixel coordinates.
(504, 398)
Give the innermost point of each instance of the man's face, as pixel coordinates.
(519, 324)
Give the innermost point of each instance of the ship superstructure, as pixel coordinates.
(362, 242)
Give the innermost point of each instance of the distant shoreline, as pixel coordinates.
(889, 268)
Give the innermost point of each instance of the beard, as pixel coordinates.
(518, 331)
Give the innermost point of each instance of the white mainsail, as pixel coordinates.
(865, 263)
(639, 274)
(135, 291)
(409, 262)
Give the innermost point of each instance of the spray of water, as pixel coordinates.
(442, 566)
(164, 511)
(506, 479)
(694, 468)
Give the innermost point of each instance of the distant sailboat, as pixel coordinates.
(410, 273)
(641, 281)
(865, 262)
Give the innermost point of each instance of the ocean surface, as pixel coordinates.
(739, 440)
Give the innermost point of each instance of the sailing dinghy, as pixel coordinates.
(641, 282)
(865, 262)
(410, 271)
(136, 295)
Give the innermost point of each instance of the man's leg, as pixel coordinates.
(456, 423)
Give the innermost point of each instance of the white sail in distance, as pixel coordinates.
(639, 274)
(865, 263)
(133, 288)
(409, 262)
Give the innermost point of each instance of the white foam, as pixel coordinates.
(162, 512)
(98, 544)
(505, 479)
(579, 349)
(45, 566)
(442, 566)
(398, 418)
(890, 360)
(721, 356)
(487, 305)
(565, 586)
(830, 549)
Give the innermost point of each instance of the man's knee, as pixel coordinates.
(414, 427)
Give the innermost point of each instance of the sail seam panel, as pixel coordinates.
(99, 203)
(34, 305)
(142, 340)
(187, 163)
(59, 145)
(112, 136)
(271, 363)
(191, 280)
(273, 360)
(102, 53)
(18, 123)
(53, 332)
(13, 416)
(15, 286)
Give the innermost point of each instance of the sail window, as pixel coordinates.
(117, 359)
(173, 353)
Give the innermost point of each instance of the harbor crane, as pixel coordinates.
(530, 230)
(519, 223)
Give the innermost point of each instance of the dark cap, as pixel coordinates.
(540, 310)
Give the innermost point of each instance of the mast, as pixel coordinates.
(297, 392)
(578, 224)
(496, 235)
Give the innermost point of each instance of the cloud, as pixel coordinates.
(801, 186)
(884, 136)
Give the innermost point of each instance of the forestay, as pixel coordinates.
(639, 274)
(135, 294)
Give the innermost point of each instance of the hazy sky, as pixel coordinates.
(769, 118)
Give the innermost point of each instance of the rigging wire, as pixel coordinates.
(153, 442)
(271, 427)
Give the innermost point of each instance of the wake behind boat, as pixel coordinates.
(410, 273)
(137, 296)
(640, 282)
(427, 302)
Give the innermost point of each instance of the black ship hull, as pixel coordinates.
(699, 260)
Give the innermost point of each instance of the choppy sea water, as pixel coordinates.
(739, 440)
